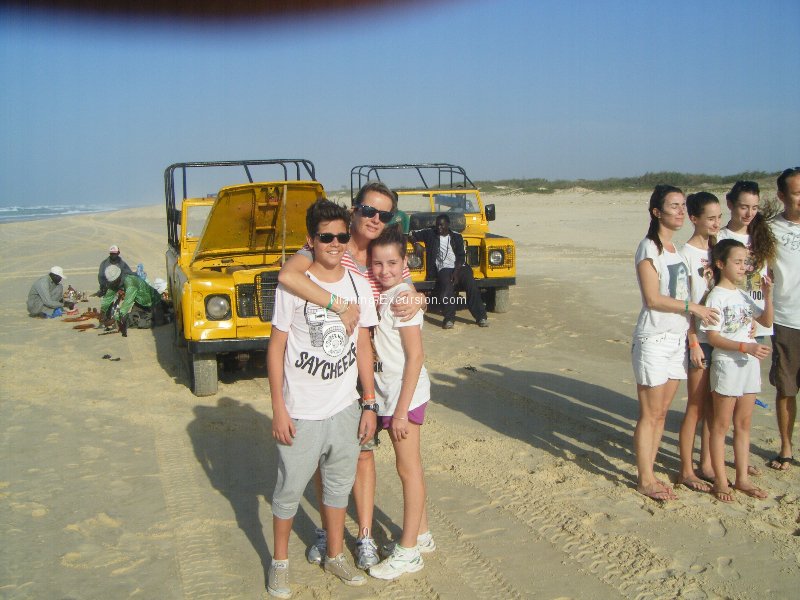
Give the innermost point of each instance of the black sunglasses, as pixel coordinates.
(369, 211)
(327, 238)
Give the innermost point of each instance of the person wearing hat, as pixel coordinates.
(136, 299)
(46, 298)
(113, 259)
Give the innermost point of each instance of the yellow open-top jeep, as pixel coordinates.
(225, 251)
(427, 190)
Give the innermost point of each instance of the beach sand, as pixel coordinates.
(117, 482)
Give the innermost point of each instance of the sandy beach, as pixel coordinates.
(117, 482)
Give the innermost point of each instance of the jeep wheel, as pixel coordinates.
(204, 374)
(497, 300)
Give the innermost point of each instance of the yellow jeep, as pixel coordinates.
(427, 190)
(224, 253)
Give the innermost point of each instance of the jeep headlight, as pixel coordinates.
(414, 261)
(496, 257)
(218, 307)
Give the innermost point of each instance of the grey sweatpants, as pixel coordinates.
(332, 444)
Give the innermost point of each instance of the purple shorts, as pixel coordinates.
(416, 415)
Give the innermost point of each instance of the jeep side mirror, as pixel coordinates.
(490, 214)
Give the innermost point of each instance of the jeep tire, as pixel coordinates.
(497, 300)
(204, 374)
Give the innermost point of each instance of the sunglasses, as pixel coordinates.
(327, 238)
(368, 211)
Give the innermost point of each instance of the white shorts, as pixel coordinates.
(736, 377)
(658, 358)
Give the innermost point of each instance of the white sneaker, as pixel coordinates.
(402, 560)
(343, 570)
(425, 544)
(319, 548)
(366, 551)
(278, 579)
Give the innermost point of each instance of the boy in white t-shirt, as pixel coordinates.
(313, 366)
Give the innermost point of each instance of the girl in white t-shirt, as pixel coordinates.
(735, 370)
(659, 340)
(402, 391)
(749, 225)
(705, 214)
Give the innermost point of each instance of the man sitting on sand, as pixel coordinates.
(46, 298)
(135, 308)
(114, 258)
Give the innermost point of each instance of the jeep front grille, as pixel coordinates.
(473, 256)
(257, 299)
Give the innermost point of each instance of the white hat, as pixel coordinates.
(160, 285)
(112, 273)
(58, 271)
(113, 250)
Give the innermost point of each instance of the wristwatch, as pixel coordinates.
(373, 407)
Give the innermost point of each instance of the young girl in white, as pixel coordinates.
(402, 391)
(735, 369)
(705, 214)
(659, 339)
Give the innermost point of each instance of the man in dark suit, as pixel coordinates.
(446, 263)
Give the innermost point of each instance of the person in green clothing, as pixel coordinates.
(129, 300)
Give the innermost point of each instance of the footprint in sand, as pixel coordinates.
(617, 342)
(715, 528)
(725, 568)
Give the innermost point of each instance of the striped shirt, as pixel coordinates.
(349, 263)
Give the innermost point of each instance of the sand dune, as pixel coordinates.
(117, 482)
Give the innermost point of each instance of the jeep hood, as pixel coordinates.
(258, 218)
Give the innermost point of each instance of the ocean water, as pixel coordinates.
(13, 214)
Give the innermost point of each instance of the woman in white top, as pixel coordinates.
(705, 214)
(659, 340)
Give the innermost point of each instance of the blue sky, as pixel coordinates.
(94, 110)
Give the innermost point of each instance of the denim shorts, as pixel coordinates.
(707, 350)
(658, 358)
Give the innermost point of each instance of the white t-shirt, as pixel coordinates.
(737, 309)
(752, 281)
(786, 272)
(319, 366)
(446, 258)
(701, 279)
(673, 281)
(392, 359)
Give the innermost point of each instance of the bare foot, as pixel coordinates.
(695, 484)
(657, 492)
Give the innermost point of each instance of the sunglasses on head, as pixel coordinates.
(369, 211)
(327, 238)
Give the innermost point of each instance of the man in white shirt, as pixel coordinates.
(785, 371)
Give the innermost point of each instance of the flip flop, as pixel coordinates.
(658, 494)
(725, 496)
(696, 485)
(783, 463)
(753, 492)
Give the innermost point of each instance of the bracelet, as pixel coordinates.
(330, 303)
(344, 310)
(686, 306)
(373, 407)
(694, 345)
(401, 418)
(367, 397)
(741, 348)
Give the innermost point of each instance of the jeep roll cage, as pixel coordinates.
(447, 176)
(300, 166)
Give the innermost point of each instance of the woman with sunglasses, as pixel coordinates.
(374, 206)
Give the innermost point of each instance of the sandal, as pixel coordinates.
(781, 463)
(725, 496)
(658, 493)
(753, 492)
(695, 484)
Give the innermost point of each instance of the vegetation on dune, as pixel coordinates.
(686, 181)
